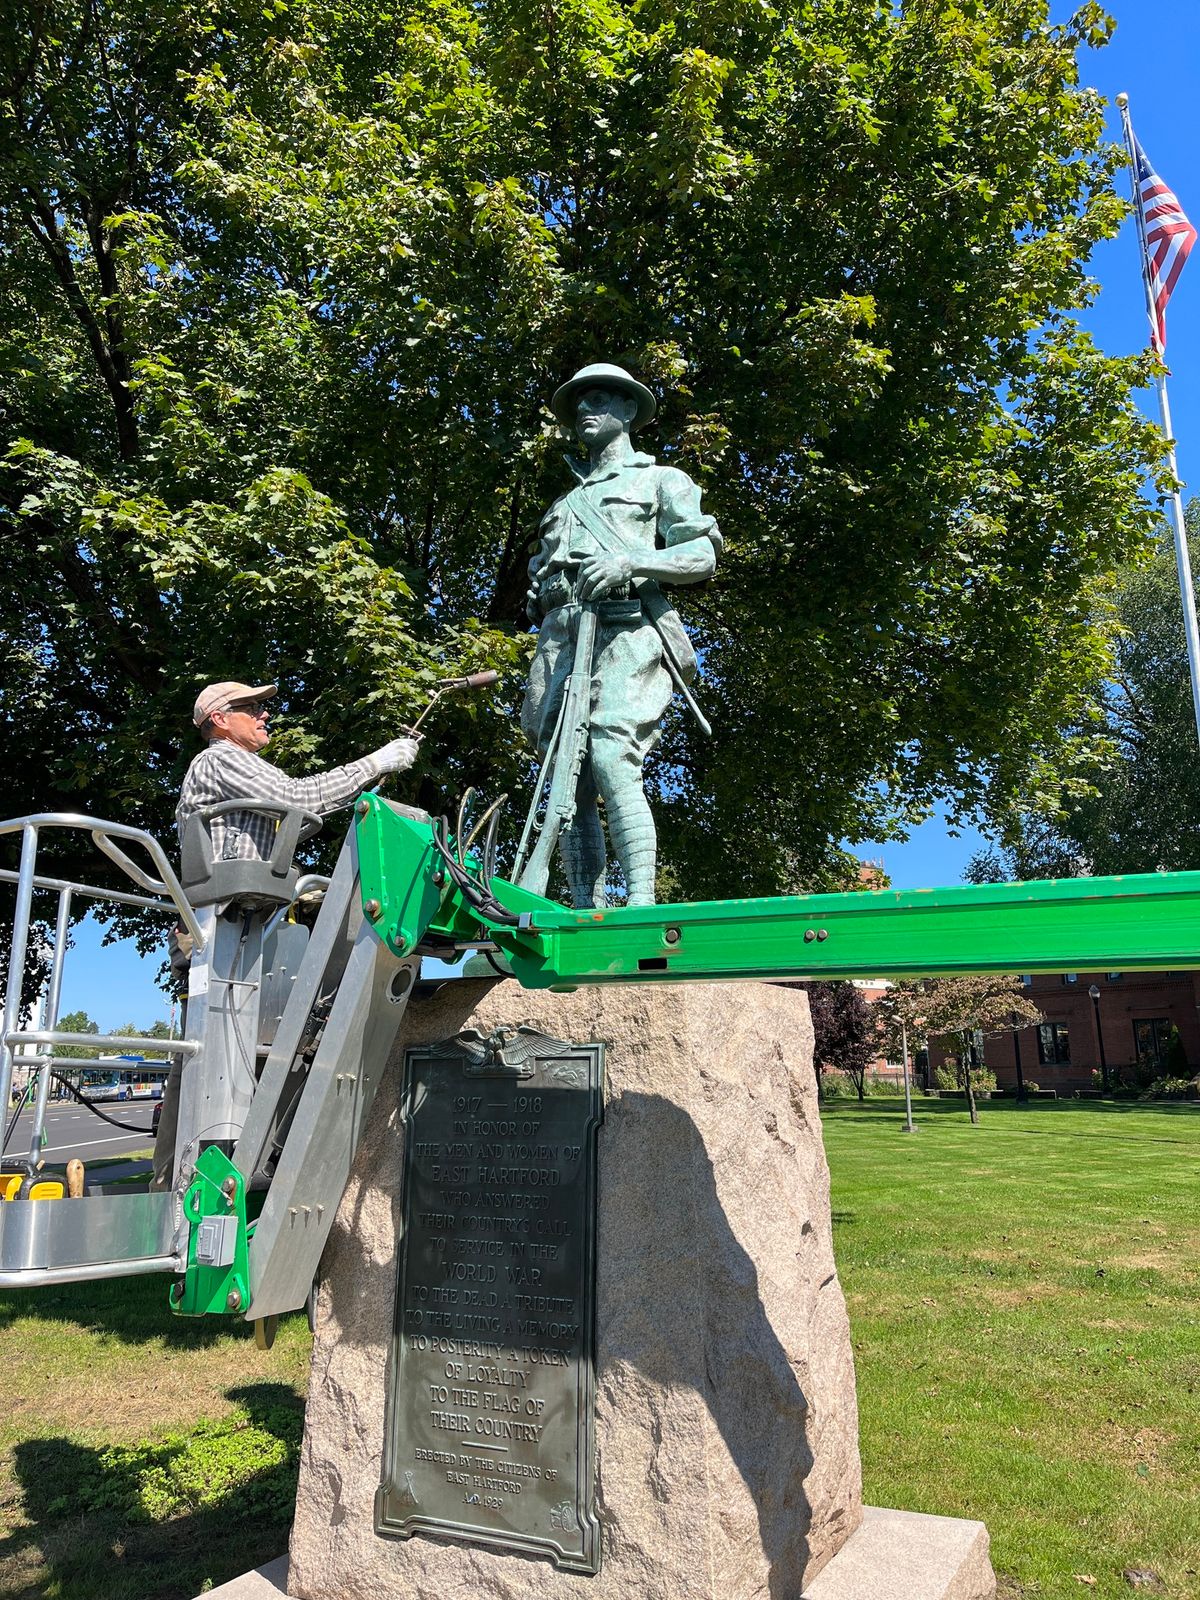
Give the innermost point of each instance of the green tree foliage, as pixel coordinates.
(899, 1016)
(76, 1022)
(286, 288)
(158, 1030)
(843, 1032)
(957, 1009)
(1141, 809)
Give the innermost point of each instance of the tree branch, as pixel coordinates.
(44, 227)
(141, 663)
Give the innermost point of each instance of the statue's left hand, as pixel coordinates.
(601, 574)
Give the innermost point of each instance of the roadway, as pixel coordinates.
(72, 1130)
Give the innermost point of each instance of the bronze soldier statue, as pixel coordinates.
(611, 650)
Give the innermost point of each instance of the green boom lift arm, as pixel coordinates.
(318, 1011)
(414, 902)
(418, 897)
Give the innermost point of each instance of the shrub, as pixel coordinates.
(883, 1088)
(1142, 1074)
(836, 1085)
(950, 1078)
(1177, 1061)
(1166, 1088)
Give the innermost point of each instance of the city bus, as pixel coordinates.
(140, 1080)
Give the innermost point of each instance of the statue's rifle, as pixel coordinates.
(565, 755)
(654, 603)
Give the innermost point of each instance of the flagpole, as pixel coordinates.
(1182, 562)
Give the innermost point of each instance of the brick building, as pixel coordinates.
(1137, 1011)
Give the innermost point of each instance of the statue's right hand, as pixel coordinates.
(603, 572)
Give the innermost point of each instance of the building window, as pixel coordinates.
(1114, 977)
(1054, 1044)
(1070, 977)
(1150, 1035)
(1027, 980)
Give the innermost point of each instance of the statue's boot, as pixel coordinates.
(639, 879)
(634, 842)
(582, 848)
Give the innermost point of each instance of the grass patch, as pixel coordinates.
(1023, 1300)
(205, 1490)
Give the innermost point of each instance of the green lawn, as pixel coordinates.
(1023, 1299)
(142, 1456)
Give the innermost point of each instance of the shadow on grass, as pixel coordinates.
(133, 1310)
(160, 1519)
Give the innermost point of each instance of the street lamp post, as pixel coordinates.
(1094, 991)
(1022, 1092)
(909, 1125)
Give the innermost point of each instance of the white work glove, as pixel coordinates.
(397, 756)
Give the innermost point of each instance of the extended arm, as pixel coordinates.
(226, 772)
(249, 777)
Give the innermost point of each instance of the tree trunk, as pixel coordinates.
(970, 1083)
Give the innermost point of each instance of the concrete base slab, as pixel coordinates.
(905, 1555)
(893, 1555)
(265, 1583)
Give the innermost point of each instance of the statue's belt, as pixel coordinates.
(644, 591)
(621, 609)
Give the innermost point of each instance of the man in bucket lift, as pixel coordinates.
(232, 719)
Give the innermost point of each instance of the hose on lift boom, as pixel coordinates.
(474, 891)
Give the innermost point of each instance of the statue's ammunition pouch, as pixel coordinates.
(620, 613)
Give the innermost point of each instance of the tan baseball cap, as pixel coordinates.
(220, 696)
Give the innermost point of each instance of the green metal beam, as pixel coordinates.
(1122, 924)
(1088, 924)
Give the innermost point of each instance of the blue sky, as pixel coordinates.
(115, 986)
(1155, 58)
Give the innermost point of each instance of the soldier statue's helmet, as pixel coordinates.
(603, 375)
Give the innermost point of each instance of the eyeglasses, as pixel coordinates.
(252, 708)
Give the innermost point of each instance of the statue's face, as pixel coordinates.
(602, 415)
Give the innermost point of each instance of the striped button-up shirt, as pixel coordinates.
(224, 771)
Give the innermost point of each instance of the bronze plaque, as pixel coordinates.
(491, 1385)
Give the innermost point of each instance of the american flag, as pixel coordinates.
(1169, 237)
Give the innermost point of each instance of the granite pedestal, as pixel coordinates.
(726, 1428)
